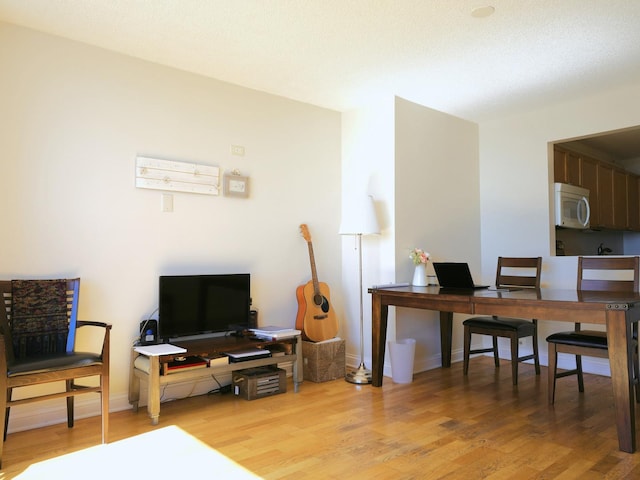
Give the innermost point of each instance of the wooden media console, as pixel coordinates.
(209, 347)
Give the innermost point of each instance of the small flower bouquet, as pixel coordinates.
(418, 256)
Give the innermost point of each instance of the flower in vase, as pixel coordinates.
(418, 256)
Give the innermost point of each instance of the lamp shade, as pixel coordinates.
(359, 217)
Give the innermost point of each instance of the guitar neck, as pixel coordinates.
(314, 274)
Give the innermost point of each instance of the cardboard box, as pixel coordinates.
(323, 361)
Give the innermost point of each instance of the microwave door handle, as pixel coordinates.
(584, 202)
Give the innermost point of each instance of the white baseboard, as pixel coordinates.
(53, 412)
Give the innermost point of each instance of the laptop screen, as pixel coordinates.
(455, 275)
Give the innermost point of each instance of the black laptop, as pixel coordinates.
(455, 275)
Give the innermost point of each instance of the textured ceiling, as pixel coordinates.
(339, 53)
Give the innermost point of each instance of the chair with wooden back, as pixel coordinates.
(512, 272)
(604, 274)
(38, 327)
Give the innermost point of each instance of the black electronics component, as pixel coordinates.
(253, 318)
(149, 332)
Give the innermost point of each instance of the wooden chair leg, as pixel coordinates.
(553, 367)
(6, 412)
(496, 357)
(579, 373)
(636, 373)
(467, 347)
(514, 359)
(104, 400)
(3, 406)
(70, 405)
(536, 356)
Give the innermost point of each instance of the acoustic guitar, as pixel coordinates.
(316, 318)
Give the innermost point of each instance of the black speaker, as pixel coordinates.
(253, 318)
(149, 332)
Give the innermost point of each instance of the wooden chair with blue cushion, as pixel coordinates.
(512, 272)
(610, 274)
(37, 345)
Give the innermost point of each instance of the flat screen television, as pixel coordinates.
(197, 305)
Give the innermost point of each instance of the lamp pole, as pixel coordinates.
(360, 220)
(361, 375)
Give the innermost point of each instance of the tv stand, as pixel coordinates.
(206, 347)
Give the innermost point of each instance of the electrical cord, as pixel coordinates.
(215, 390)
(222, 389)
(193, 388)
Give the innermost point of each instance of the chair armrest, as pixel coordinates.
(90, 323)
(105, 342)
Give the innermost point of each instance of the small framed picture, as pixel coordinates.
(235, 186)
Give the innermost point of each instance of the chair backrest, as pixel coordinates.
(519, 272)
(613, 274)
(39, 316)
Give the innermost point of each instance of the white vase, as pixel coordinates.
(420, 276)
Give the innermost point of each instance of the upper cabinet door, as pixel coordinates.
(559, 169)
(589, 180)
(566, 167)
(605, 195)
(633, 203)
(620, 199)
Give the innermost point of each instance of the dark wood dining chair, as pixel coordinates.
(515, 272)
(37, 345)
(594, 274)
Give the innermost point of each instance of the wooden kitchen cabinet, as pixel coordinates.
(614, 194)
(620, 199)
(566, 167)
(559, 170)
(633, 202)
(605, 196)
(589, 180)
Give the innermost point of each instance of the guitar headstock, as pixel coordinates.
(305, 232)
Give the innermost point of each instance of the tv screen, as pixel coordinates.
(192, 305)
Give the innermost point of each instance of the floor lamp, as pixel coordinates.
(360, 221)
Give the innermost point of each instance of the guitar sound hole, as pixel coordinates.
(322, 302)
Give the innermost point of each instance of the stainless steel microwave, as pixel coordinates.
(571, 206)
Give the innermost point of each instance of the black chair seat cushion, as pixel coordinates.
(501, 323)
(51, 363)
(584, 338)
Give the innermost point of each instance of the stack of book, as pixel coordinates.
(272, 332)
(216, 360)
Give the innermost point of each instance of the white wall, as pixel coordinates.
(436, 209)
(421, 166)
(516, 176)
(367, 169)
(74, 117)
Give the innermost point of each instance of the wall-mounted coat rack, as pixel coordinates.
(177, 176)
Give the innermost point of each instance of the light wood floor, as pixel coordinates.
(439, 426)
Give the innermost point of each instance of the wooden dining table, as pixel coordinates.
(617, 311)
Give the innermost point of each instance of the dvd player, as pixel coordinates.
(246, 355)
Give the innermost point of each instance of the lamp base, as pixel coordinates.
(361, 376)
